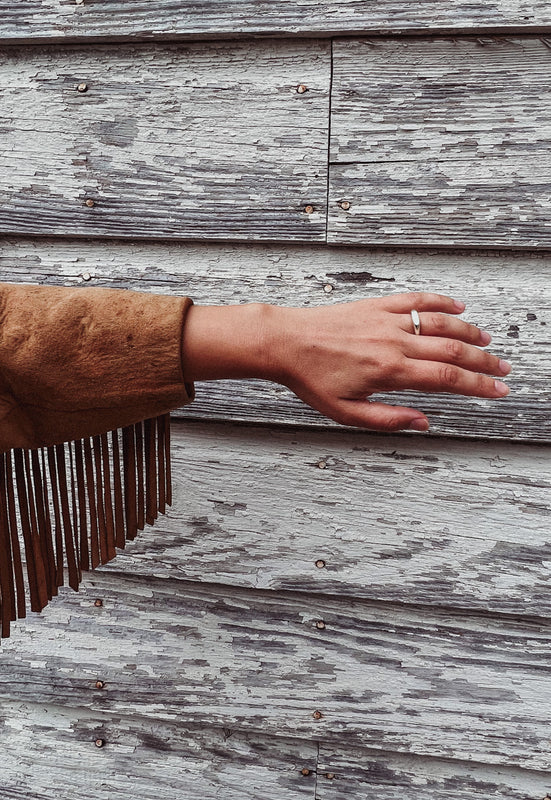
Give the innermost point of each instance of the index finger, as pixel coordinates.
(422, 301)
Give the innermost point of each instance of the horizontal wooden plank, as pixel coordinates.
(441, 142)
(175, 141)
(397, 519)
(389, 678)
(182, 19)
(358, 774)
(507, 293)
(49, 750)
(400, 519)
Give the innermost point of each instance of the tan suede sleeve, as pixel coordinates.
(76, 362)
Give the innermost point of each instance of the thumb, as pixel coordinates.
(380, 416)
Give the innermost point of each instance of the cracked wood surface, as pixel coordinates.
(193, 141)
(145, 757)
(410, 680)
(440, 142)
(506, 293)
(49, 750)
(181, 19)
(397, 519)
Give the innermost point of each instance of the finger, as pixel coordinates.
(378, 416)
(422, 301)
(453, 351)
(430, 376)
(434, 324)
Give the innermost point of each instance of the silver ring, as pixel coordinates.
(416, 322)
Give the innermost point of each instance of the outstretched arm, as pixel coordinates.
(335, 357)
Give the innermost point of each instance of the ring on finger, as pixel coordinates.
(416, 321)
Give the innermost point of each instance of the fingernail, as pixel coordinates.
(459, 305)
(418, 424)
(485, 337)
(504, 366)
(501, 388)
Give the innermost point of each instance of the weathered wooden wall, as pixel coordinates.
(323, 613)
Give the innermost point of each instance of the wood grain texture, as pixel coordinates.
(441, 142)
(191, 141)
(439, 684)
(49, 750)
(507, 293)
(360, 774)
(182, 19)
(401, 519)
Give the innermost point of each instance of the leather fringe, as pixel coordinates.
(71, 505)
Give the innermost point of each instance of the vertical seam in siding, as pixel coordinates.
(329, 142)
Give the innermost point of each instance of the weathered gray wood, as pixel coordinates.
(191, 141)
(50, 751)
(507, 293)
(358, 774)
(441, 142)
(400, 520)
(409, 680)
(182, 19)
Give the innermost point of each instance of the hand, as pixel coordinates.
(335, 357)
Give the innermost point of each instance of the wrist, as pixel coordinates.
(229, 342)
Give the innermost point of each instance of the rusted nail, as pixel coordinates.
(322, 464)
(344, 204)
(320, 624)
(330, 775)
(86, 276)
(98, 602)
(90, 203)
(317, 715)
(308, 209)
(327, 288)
(100, 742)
(301, 88)
(305, 771)
(100, 684)
(320, 563)
(82, 87)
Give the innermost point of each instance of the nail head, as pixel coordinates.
(90, 203)
(98, 602)
(305, 771)
(317, 715)
(344, 204)
(82, 87)
(320, 563)
(320, 624)
(100, 684)
(309, 209)
(327, 288)
(301, 88)
(100, 742)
